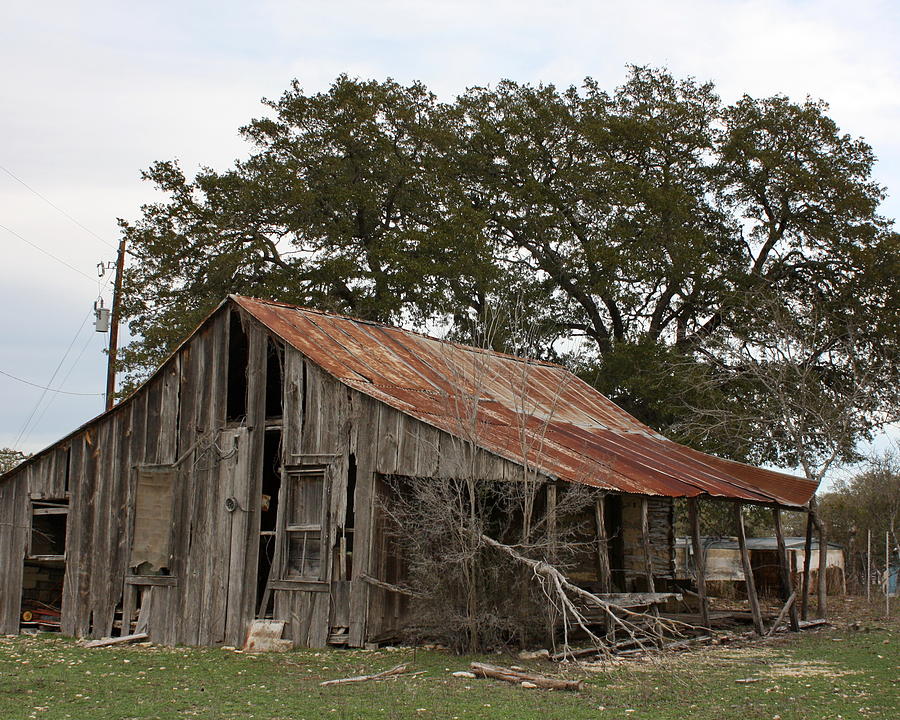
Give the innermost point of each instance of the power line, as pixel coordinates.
(47, 253)
(48, 389)
(56, 207)
(72, 367)
(22, 432)
(52, 378)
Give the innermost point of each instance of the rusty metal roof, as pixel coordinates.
(522, 410)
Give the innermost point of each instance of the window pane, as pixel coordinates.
(306, 501)
(304, 554)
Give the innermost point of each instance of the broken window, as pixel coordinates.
(48, 529)
(303, 524)
(151, 544)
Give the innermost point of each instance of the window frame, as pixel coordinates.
(294, 477)
(41, 507)
(162, 469)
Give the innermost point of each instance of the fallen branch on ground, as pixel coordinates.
(398, 670)
(782, 614)
(517, 677)
(105, 642)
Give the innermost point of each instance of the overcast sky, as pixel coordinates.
(92, 92)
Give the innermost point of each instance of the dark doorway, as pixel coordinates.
(268, 517)
(45, 565)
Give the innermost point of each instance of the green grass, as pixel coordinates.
(829, 674)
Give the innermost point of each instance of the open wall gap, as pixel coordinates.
(238, 358)
(274, 379)
(268, 516)
(45, 566)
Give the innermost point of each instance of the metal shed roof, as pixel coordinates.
(522, 410)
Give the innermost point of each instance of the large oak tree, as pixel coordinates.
(639, 220)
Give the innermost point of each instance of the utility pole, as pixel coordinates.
(114, 329)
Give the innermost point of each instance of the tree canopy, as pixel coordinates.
(637, 221)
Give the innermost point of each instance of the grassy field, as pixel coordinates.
(835, 673)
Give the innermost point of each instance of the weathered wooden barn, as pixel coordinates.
(241, 479)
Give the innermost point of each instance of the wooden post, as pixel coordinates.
(552, 540)
(648, 560)
(787, 586)
(748, 571)
(551, 519)
(869, 566)
(605, 575)
(807, 566)
(699, 560)
(645, 543)
(887, 574)
(823, 568)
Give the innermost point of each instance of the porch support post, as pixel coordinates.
(605, 575)
(645, 544)
(807, 566)
(551, 519)
(787, 586)
(748, 570)
(699, 560)
(823, 568)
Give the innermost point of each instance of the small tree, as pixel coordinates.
(805, 377)
(866, 502)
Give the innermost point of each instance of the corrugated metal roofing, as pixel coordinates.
(519, 409)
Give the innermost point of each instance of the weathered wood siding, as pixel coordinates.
(661, 521)
(178, 414)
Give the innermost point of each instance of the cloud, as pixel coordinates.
(95, 91)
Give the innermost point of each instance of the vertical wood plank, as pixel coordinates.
(74, 530)
(604, 572)
(366, 416)
(807, 566)
(645, 546)
(238, 487)
(245, 611)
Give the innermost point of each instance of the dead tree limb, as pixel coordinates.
(517, 677)
(788, 606)
(641, 628)
(398, 670)
(390, 587)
